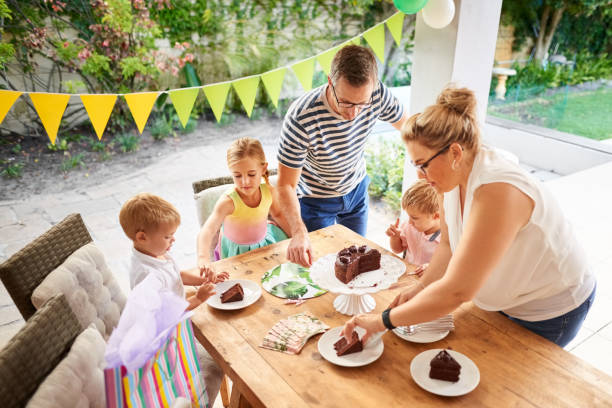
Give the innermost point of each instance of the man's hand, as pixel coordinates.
(299, 250)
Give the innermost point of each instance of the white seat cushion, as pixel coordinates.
(89, 286)
(77, 380)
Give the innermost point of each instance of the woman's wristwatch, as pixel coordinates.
(387, 320)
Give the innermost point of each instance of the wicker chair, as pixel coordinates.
(26, 269)
(35, 350)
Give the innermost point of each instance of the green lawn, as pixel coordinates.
(587, 114)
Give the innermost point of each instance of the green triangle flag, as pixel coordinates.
(216, 95)
(304, 71)
(273, 82)
(375, 37)
(326, 58)
(355, 41)
(183, 100)
(246, 88)
(395, 23)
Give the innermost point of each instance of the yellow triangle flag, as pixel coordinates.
(304, 71)
(246, 88)
(7, 99)
(216, 95)
(140, 105)
(375, 37)
(99, 108)
(273, 82)
(395, 23)
(50, 109)
(326, 58)
(183, 100)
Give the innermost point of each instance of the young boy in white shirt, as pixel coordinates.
(150, 222)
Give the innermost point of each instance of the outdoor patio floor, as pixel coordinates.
(586, 197)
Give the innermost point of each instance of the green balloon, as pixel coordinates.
(409, 6)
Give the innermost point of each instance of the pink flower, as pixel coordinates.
(189, 57)
(105, 43)
(66, 44)
(175, 71)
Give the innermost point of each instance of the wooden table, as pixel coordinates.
(517, 367)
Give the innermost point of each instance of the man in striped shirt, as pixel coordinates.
(322, 176)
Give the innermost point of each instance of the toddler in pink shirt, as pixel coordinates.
(418, 236)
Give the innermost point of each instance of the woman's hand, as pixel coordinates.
(406, 295)
(371, 322)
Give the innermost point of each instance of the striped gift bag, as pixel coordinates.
(173, 372)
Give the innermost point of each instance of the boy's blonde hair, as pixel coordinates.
(247, 147)
(422, 197)
(146, 212)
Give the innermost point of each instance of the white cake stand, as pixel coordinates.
(354, 297)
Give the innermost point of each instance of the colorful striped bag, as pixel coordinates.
(173, 372)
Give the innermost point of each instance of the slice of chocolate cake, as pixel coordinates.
(352, 261)
(444, 367)
(343, 347)
(233, 294)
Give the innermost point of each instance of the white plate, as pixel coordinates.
(421, 337)
(252, 292)
(370, 352)
(469, 376)
(391, 268)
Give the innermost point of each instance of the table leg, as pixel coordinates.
(224, 391)
(237, 400)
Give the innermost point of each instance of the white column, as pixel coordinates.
(461, 52)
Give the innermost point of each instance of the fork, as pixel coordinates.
(442, 324)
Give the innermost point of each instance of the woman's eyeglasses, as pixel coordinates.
(423, 166)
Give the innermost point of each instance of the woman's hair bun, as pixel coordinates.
(460, 100)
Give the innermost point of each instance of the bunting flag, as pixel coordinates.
(326, 58)
(273, 82)
(183, 100)
(375, 37)
(246, 88)
(140, 105)
(7, 99)
(99, 108)
(50, 108)
(395, 23)
(304, 71)
(216, 95)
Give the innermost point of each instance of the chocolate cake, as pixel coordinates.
(233, 294)
(352, 261)
(343, 347)
(444, 367)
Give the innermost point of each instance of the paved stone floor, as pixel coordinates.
(585, 196)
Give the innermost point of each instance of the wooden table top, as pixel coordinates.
(517, 367)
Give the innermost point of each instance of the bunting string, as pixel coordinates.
(50, 107)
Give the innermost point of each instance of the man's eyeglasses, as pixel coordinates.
(348, 105)
(423, 166)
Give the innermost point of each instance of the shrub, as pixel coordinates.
(73, 162)
(128, 142)
(12, 170)
(97, 145)
(385, 165)
(60, 145)
(162, 128)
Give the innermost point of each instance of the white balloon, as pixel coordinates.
(438, 13)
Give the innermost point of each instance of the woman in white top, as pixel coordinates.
(505, 245)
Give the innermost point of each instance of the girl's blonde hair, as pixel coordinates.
(421, 196)
(247, 147)
(146, 212)
(453, 118)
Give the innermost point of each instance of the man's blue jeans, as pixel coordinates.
(350, 210)
(562, 329)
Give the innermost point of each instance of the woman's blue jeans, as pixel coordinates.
(350, 210)
(562, 329)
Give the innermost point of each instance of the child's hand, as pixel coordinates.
(393, 230)
(420, 269)
(206, 270)
(205, 291)
(220, 277)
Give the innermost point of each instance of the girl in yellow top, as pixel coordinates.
(242, 212)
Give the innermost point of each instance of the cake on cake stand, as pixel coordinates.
(354, 297)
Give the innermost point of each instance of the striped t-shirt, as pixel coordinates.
(328, 148)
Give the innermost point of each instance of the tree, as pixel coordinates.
(539, 19)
